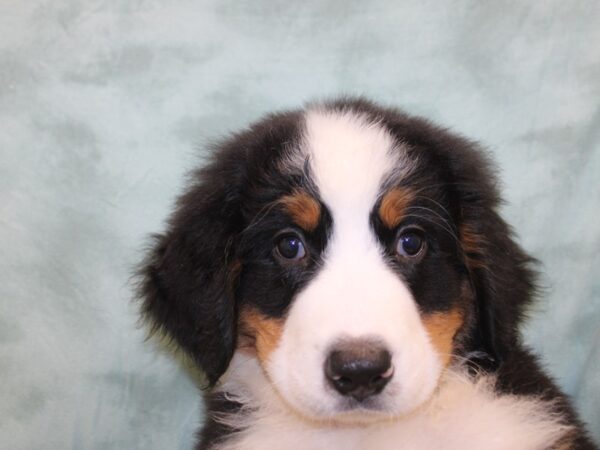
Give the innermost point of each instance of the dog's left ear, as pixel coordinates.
(502, 281)
(188, 280)
(500, 271)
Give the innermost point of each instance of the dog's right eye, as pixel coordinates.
(290, 248)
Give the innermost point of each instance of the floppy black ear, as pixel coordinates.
(503, 285)
(500, 271)
(187, 281)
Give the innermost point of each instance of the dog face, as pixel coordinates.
(353, 250)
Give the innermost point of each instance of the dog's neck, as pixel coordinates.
(463, 414)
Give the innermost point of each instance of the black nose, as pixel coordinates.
(359, 368)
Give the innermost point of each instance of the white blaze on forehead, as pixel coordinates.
(349, 158)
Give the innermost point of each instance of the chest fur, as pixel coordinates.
(463, 414)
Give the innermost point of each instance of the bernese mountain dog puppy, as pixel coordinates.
(342, 276)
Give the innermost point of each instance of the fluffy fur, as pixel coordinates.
(341, 224)
(464, 414)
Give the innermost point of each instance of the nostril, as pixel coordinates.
(359, 368)
(389, 372)
(343, 382)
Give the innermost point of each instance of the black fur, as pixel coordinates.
(213, 431)
(190, 278)
(216, 254)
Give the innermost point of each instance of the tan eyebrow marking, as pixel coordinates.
(304, 209)
(393, 206)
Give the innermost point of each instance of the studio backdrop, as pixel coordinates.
(105, 105)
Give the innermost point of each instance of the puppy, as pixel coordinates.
(343, 278)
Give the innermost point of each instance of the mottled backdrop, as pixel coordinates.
(106, 104)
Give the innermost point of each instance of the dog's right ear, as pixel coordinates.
(187, 281)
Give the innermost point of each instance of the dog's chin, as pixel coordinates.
(351, 412)
(362, 413)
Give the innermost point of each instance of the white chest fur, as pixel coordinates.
(462, 415)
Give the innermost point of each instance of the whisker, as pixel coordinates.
(260, 215)
(424, 208)
(435, 202)
(427, 219)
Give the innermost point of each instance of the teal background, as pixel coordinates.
(104, 105)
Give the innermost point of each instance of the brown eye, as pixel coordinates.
(291, 248)
(410, 243)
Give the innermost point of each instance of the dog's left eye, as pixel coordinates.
(291, 248)
(411, 243)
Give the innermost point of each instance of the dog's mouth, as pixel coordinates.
(354, 412)
(370, 409)
(369, 405)
(347, 410)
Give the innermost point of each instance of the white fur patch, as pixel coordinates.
(350, 158)
(354, 294)
(461, 415)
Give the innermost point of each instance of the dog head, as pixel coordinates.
(355, 251)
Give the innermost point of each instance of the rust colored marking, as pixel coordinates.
(261, 332)
(393, 206)
(473, 245)
(303, 208)
(442, 328)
